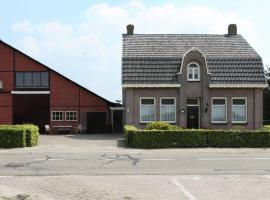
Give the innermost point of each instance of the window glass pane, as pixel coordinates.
(218, 101)
(147, 113)
(44, 79)
(19, 79)
(219, 113)
(193, 66)
(167, 113)
(239, 101)
(167, 101)
(239, 113)
(27, 79)
(71, 116)
(147, 101)
(36, 78)
(192, 101)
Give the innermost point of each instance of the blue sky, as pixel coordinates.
(82, 39)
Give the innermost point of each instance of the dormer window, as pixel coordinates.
(193, 72)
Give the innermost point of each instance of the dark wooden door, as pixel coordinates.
(97, 122)
(192, 116)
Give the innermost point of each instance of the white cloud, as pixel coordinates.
(90, 51)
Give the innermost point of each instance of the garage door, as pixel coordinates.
(97, 122)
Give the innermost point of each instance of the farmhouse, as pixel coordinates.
(192, 80)
(31, 92)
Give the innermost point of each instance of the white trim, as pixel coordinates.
(240, 122)
(199, 75)
(185, 54)
(71, 111)
(226, 117)
(238, 85)
(160, 104)
(151, 85)
(154, 107)
(199, 110)
(117, 108)
(57, 120)
(30, 92)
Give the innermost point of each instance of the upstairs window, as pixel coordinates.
(32, 80)
(193, 72)
(239, 110)
(147, 110)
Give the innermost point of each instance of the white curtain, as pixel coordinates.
(219, 113)
(239, 113)
(167, 113)
(147, 113)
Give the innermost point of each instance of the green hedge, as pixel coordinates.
(195, 138)
(12, 136)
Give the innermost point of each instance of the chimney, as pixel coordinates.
(232, 29)
(130, 29)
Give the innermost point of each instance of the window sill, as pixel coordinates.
(193, 80)
(239, 123)
(219, 123)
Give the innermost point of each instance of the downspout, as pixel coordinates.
(254, 108)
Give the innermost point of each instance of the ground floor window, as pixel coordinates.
(239, 110)
(57, 115)
(71, 115)
(147, 110)
(219, 110)
(168, 110)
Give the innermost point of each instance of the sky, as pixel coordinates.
(83, 39)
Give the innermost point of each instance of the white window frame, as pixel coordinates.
(141, 108)
(71, 111)
(160, 104)
(198, 67)
(59, 112)
(240, 122)
(226, 110)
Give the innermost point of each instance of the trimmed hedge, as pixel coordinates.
(12, 136)
(191, 138)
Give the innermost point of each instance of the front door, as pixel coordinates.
(192, 116)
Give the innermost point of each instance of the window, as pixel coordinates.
(167, 110)
(32, 79)
(219, 110)
(239, 110)
(71, 115)
(57, 116)
(193, 72)
(147, 110)
(19, 79)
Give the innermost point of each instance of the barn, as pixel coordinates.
(31, 92)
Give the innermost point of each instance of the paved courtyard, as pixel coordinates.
(101, 167)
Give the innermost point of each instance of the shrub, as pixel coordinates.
(161, 126)
(196, 138)
(12, 136)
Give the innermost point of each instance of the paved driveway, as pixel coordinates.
(101, 167)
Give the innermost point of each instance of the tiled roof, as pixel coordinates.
(156, 58)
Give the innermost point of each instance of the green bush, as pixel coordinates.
(161, 126)
(196, 138)
(12, 136)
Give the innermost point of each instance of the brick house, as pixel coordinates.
(192, 80)
(31, 92)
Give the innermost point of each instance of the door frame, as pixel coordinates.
(199, 109)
